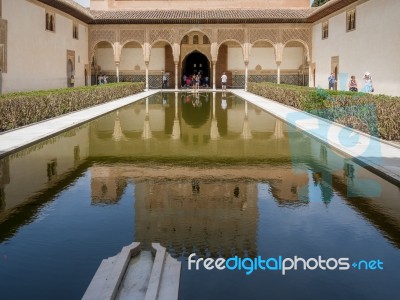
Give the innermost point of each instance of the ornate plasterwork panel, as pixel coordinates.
(230, 34)
(168, 35)
(102, 35)
(127, 35)
(264, 34)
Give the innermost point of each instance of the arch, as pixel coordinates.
(131, 57)
(306, 47)
(70, 72)
(262, 40)
(160, 40)
(230, 40)
(131, 41)
(201, 58)
(296, 68)
(185, 40)
(92, 50)
(193, 30)
(184, 55)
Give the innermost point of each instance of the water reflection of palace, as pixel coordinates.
(245, 144)
(150, 129)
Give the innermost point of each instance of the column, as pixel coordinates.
(214, 134)
(278, 72)
(176, 129)
(214, 66)
(246, 74)
(117, 70)
(311, 80)
(147, 75)
(176, 76)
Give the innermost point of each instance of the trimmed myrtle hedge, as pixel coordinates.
(378, 115)
(19, 109)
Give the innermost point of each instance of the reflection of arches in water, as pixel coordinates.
(197, 115)
(2, 199)
(195, 186)
(236, 191)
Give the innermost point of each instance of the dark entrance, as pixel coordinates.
(196, 62)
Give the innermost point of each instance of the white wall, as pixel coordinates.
(235, 58)
(292, 58)
(265, 57)
(130, 57)
(36, 58)
(374, 46)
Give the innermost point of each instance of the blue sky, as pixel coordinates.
(87, 2)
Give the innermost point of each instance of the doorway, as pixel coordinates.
(70, 72)
(196, 63)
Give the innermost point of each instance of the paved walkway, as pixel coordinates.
(22, 137)
(381, 156)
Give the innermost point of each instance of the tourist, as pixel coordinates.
(224, 79)
(206, 79)
(353, 84)
(196, 82)
(184, 80)
(332, 81)
(224, 105)
(368, 88)
(100, 79)
(188, 81)
(165, 81)
(72, 80)
(105, 78)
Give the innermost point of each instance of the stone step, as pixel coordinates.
(136, 274)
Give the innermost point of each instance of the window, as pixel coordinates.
(325, 30)
(351, 20)
(50, 22)
(195, 39)
(206, 40)
(185, 40)
(75, 31)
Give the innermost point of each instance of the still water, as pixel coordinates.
(206, 174)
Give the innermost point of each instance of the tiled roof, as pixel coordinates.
(202, 16)
(328, 8)
(72, 8)
(216, 16)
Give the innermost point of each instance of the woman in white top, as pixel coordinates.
(368, 83)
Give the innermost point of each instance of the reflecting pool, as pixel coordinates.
(203, 173)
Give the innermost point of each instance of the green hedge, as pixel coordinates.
(19, 109)
(378, 115)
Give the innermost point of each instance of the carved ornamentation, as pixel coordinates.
(128, 35)
(230, 34)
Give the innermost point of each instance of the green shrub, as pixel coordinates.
(19, 109)
(377, 115)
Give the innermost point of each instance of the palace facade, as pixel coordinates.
(44, 42)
